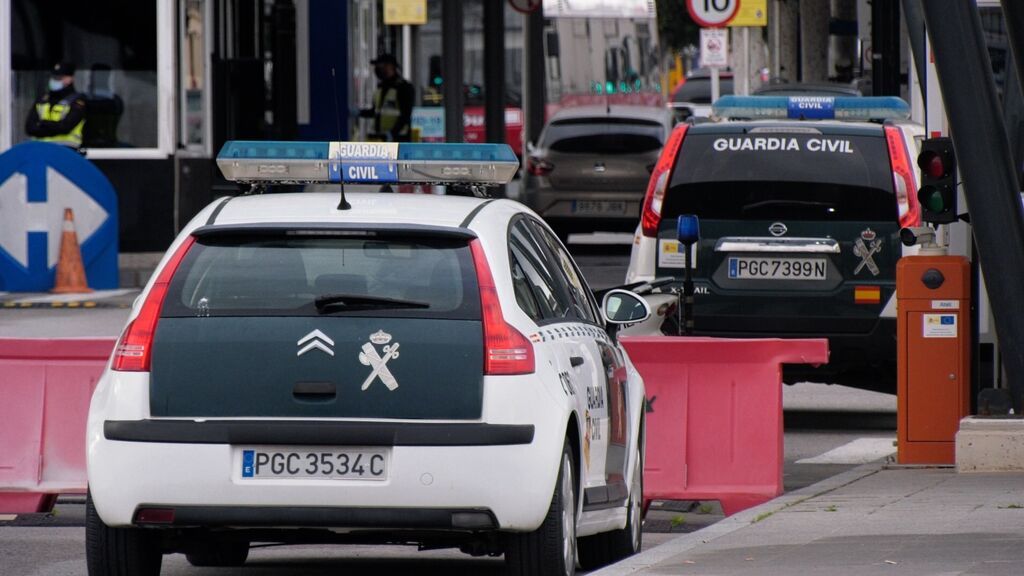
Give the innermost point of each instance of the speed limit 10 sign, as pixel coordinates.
(712, 13)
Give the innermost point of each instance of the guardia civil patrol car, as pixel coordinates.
(800, 201)
(367, 368)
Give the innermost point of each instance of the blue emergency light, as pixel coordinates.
(864, 108)
(367, 163)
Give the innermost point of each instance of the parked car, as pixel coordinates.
(692, 97)
(394, 368)
(591, 165)
(800, 216)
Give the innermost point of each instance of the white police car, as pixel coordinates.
(414, 370)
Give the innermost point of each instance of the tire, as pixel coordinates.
(220, 555)
(550, 550)
(119, 551)
(609, 547)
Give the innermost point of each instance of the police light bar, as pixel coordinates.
(863, 108)
(367, 163)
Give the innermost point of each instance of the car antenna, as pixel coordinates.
(343, 203)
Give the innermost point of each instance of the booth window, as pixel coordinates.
(113, 44)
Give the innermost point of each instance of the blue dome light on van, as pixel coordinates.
(272, 162)
(867, 108)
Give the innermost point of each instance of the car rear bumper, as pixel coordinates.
(501, 468)
(576, 204)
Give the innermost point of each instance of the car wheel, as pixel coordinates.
(220, 555)
(550, 550)
(608, 547)
(119, 551)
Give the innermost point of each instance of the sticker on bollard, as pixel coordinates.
(715, 430)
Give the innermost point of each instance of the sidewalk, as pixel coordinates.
(870, 520)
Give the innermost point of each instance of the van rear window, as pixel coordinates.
(776, 175)
(281, 275)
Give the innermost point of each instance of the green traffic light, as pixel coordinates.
(931, 198)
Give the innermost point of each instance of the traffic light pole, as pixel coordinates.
(990, 179)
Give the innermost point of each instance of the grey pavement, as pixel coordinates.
(905, 521)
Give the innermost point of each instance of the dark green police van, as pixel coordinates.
(800, 215)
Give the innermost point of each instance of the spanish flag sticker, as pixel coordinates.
(867, 295)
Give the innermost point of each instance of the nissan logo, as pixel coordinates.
(778, 229)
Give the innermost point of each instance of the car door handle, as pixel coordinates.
(576, 361)
(314, 391)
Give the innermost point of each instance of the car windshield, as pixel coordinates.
(604, 135)
(698, 90)
(310, 275)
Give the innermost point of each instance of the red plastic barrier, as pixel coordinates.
(714, 421)
(45, 387)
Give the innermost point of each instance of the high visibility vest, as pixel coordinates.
(56, 113)
(385, 102)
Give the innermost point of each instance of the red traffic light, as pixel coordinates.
(932, 164)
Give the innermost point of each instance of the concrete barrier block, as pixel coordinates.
(986, 444)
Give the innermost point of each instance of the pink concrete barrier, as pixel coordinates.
(714, 421)
(45, 387)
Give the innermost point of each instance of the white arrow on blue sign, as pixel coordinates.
(37, 182)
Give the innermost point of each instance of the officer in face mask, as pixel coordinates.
(392, 102)
(59, 115)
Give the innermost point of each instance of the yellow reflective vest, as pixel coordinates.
(56, 113)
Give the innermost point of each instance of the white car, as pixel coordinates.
(416, 369)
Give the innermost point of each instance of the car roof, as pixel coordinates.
(808, 89)
(369, 208)
(652, 113)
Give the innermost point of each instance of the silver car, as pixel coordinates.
(592, 164)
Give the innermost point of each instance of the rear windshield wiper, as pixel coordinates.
(797, 203)
(326, 302)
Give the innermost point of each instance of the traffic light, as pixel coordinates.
(937, 194)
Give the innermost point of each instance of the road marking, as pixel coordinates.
(66, 298)
(7, 517)
(860, 451)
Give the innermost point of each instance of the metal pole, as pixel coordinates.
(715, 86)
(990, 178)
(745, 81)
(494, 70)
(915, 29)
(451, 69)
(533, 76)
(407, 67)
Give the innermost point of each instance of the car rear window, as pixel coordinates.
(284, 275)
(698, 90)
(604, 136)
(758, 176)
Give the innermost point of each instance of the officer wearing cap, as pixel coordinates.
(59, 115)
(392, 102)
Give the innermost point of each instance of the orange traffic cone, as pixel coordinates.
(70, 271)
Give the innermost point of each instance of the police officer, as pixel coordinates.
(59, 115)
(392, 102)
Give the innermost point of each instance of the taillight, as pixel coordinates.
(902, 178)
(538, 166)
(658, 183)
(132, 353)
(506, 350)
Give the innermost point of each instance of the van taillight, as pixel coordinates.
(658, 184)
(902, 178)
(133, 350)
(506, 350)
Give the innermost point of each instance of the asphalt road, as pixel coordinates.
(829, 429)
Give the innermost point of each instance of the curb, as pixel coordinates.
(687, 542)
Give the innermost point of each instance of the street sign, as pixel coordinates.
(37, 182)
(750, 13)
(525, 6)
(714, 48)
(712, 13)
(399, 12)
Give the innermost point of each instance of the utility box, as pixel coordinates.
(933, 360)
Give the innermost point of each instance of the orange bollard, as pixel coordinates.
(70, 270)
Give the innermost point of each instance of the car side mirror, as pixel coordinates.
(624, 307)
